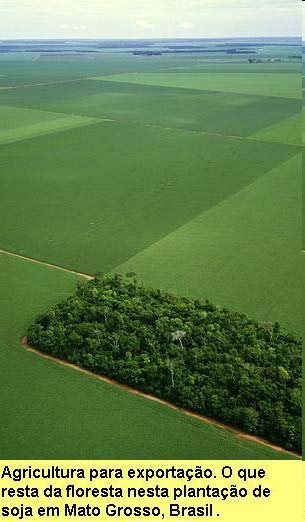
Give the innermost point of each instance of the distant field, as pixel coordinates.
(218, 112)
(18, 124)
(23, 68)
(90, 208)
(223, 66)
(269, 84)
(69, 415)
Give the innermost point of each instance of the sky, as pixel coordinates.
(148, 18)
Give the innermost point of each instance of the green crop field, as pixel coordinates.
(69, 415)
(146, 181)
(270, 84)
(240, 252)
(216, 112)
(18, 124)
(288, 130)
(183, 168)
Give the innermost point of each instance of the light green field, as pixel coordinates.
(113, 189)
(275, 84)
(49, 411)
(18, 123)
(243, 253)
(286, 131)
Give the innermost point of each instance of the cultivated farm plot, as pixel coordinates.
(18, 124)
(287, 131)
(111, 190)
(207, 216)
(270, 84)
(20, 69)
(207, 111)
(244, 252)
(26, 69)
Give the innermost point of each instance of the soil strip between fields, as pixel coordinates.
(217, 424)
(220, 135)
(41, 84)
(43, 263)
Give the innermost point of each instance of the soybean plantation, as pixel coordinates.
(182, 168)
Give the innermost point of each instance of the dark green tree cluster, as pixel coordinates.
(217, 362)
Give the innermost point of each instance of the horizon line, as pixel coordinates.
(57, 38)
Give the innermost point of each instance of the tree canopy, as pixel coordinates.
(212, 360)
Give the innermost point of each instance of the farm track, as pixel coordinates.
(40, 84)
(43, 263)
(231, 136)
(89, 277)
(239, 434)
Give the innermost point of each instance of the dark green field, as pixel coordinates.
(194, 188)
(215, 112)
(149, 168)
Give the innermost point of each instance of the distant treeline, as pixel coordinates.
(189, 50)
(64, 50)
(258, 44)
(211, 360)
(94, 49)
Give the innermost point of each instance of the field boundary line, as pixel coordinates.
(198, 216)
(44, 263)
(238, 433)
(232, 136)
(69, 114)
(80, 121)
(40, 84)
(101, 79)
